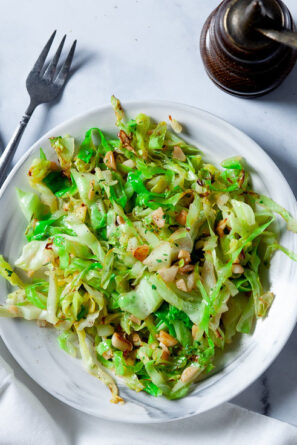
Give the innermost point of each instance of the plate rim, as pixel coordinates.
(218, 122)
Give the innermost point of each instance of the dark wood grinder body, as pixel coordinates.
(237, 57)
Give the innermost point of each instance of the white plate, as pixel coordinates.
(36, 349)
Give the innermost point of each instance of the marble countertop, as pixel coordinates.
(145, 49)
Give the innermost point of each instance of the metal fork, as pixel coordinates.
(42, 87)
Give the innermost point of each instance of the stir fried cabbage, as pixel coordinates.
(146, 258)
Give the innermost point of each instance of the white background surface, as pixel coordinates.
(144, 49)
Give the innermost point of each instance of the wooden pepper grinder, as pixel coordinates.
(248, 46)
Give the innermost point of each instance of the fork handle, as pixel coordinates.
(12, 145)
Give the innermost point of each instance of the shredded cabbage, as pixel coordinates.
(145, 258)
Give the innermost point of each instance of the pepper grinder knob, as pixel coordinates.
(249, 46)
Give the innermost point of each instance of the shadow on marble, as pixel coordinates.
(285, 94)
(2, 145)
(82, 58)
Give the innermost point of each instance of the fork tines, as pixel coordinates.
(51, 69)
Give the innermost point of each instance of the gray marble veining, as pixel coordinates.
(275, 393)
